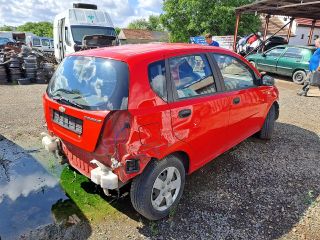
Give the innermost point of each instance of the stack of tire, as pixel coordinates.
(45, 73)
(15, 68)
(30, 66)
(3, 75)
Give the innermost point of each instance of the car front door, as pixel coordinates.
(248, 101)
(289, 61)
(269, 59)
(199, 112)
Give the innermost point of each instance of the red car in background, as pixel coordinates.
(150, 114)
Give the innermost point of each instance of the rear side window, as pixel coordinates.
(236, 74)
(45, 42)
(157, 78)
(293, 53)
(192, 76)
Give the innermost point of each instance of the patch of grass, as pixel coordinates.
(87, 197)
(310, 198)
(154, 228)
(172, 212)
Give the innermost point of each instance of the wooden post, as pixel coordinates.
(311, 32)
(266, 26)
(289, 30)
(236, 32)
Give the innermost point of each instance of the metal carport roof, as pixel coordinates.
(294, 8)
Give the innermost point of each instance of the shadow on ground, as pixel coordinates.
(258, 190)
(31, 199)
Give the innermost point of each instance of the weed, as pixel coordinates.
(154, 228)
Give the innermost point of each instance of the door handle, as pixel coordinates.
(184, 113)
(236, 100)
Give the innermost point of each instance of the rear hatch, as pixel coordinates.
(80, 95)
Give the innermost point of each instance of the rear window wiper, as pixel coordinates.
(67, 101)
(64, 91)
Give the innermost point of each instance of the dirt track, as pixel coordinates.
(258, 190)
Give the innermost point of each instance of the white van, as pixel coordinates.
(42, 43)
(82, 27)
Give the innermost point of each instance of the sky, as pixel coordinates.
(122, 12)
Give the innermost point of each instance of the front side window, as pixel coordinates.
(236, 75)
(192, 76)
(91, 83)
(275, 52)
(157, 78)
(36, 42)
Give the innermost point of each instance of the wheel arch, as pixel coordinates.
(276, 105)
(298, 69)
(182, 155)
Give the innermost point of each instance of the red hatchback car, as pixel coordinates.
(150, 114)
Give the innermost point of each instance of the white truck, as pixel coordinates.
(82, 27)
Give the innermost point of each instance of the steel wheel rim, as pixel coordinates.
(299, 77)
(166, 189)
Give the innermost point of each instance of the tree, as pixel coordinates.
(42, 29)
(118, 30)
(6, 28)
(186, 18)
(152, 24)
(139, 24)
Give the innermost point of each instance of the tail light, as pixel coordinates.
(114, 136)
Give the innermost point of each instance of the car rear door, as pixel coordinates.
(289, 61)
(270, 59)
(199, 112)
(248, 101)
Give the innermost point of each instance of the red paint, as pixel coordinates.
(155, 130)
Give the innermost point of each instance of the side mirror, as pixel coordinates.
(267, 80)
(263, 54)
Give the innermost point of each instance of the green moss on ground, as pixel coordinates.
(87, 198)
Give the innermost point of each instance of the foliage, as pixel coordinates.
(186, 18)
(118, 30)
(6, 28)
(153, 24)
(42, 29)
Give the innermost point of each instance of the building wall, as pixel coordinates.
(301, 36)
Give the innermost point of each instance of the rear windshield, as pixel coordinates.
(91, 83)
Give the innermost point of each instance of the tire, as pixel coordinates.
(268, 125)
(150, 192)
(299, 76)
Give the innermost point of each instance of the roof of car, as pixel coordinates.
(298, 46)
(125, 52)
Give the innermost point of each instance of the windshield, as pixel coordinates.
(4, 41)
(91, 83)
(78, 32)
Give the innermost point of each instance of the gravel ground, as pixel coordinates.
(258, 190)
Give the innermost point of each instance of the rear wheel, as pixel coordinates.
(268, 126)
(159, 188)
(299, 76)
